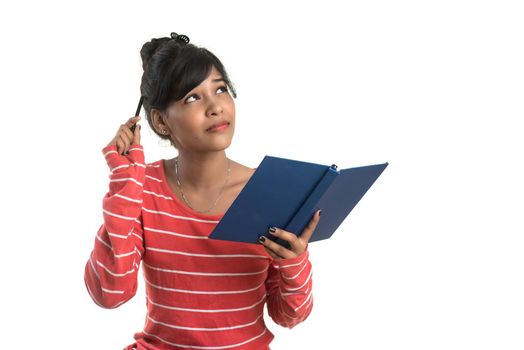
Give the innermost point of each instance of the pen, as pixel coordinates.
(137, 112)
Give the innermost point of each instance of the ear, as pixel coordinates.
(158, 119)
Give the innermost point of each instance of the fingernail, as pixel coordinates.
(272, 230)
(320, 213)
(262, 239)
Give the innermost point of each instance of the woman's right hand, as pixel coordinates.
(124, 137)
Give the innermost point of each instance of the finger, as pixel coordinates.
(125, 130)
(126, 143)
(310, 228)
(120, 145)
(289, 237)
(273, 255)
(276, 248)
(136, 135)
(132, 121)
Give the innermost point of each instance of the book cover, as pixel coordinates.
(286, 193)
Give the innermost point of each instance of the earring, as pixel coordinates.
(164, 131)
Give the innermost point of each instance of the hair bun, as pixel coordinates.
(149, 49)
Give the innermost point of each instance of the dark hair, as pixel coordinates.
(172, 68)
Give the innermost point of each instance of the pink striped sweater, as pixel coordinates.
(201, 293)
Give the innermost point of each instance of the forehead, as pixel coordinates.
(214, 74)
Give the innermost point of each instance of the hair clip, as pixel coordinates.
(180, 37)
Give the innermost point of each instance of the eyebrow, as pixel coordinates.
(217, 80)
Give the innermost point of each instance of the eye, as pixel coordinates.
(222, 89)
(191, 98)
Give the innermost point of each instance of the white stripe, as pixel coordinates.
(135, 149)
(120, 167)
(118, 216)
(291, 265)
(128, 166)
(127, 254)
(137, 236)
(299, 272)
(110, 152)
(295, 293)
(127, 179)
(296, 318)
(110, 291)
(217, 274)
(206, 347)
(178, 216)
(113, 273)
(306, 292)
(107, 291)
(304, 303)
(206, 255)
(117, 235)
(103, 242)
(208, 310)
(93, 267)
(158, 195)
(154, 178)
(203, 292)
(153, 165)
(127, 198)
(287, 315)
(302, 286)
(205, 329)
(111, 248)
(173, 233)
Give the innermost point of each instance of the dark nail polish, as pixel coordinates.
(262, 239)
(272, 230)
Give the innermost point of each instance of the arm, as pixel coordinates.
(289, 286)
(111, 271)
(289, 282)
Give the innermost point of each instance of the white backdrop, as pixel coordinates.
(431, 258)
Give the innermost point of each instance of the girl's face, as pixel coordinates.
(204, 119)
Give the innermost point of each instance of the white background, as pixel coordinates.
(431, 258)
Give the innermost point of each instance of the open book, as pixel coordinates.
(286, 193)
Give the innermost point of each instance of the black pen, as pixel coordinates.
(137, 112)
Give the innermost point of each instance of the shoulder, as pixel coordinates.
(155, 169)
(240, 174)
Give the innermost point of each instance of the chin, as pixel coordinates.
(215, 145)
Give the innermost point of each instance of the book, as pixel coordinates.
(285, 193)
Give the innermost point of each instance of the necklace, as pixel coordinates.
(219, 194)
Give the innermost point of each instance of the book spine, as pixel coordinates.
(308, 208)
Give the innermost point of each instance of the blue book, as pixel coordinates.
(286, 193)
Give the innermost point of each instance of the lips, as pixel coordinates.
(218, 126)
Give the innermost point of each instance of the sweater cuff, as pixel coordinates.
(116, 161)
(292, 265)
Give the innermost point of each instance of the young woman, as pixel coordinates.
(201, 293)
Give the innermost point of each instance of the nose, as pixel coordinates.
(214, 108)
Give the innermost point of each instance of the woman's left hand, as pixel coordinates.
(298, 245)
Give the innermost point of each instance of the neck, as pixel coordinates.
(200, 172)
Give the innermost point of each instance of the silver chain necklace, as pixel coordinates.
(219, 194)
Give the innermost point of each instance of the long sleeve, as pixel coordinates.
(289, 286)
(111, 271)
